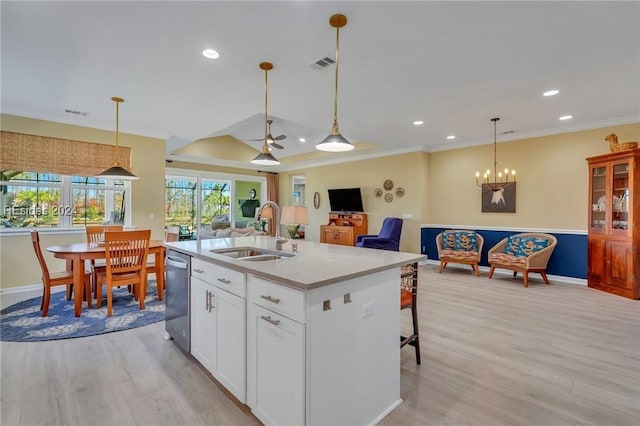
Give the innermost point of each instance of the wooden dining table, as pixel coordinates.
(77, 253)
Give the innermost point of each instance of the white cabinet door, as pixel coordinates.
(203, 323)
(231, 342)
(278, 385)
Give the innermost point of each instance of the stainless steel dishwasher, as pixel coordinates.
(177, 324)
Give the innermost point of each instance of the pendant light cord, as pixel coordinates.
(495, 149)
(335, 97)
(117, 150)
(266, 97)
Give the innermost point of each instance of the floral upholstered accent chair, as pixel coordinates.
(526, 252)
(459, 246)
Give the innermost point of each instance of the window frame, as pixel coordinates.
(66, 187)
(201, 175)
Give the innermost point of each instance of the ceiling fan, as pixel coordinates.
(270, 139)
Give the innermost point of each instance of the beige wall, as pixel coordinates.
(18, 264)
(552, 180)
(405, 171)
(440, 188)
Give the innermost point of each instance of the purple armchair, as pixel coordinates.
(388, 239)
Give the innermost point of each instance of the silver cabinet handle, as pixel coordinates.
(211, 296)
(200, 271)
(224, 281)
(207, 301)
(271, 299)
(268, 319)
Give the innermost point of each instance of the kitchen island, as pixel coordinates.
(303, 338)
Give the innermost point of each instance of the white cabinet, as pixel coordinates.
(230, 341)
(276, 353)
(325, 356)
(203, 336)
(278, 379)
(218, 324)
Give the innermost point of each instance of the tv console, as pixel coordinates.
(343, 228)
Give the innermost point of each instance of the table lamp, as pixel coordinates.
(293, 217)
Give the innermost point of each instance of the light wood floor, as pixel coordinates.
(493, 353)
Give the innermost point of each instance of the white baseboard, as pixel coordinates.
(558, 278)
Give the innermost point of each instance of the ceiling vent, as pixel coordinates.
(323, 63)
(75, 112)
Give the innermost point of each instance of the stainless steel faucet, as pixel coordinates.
(276, 222)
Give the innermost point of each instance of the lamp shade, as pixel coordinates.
(265, 159)
(335, 142)
(267, 213)
(117, 172)
(294, 215)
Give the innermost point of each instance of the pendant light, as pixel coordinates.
(498, 178)
(117, 172)
(335, 142)
(265, 158)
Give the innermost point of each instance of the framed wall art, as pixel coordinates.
(500, 199)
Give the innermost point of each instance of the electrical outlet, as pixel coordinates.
(368, 309)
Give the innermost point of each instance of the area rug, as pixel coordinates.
(22, 322)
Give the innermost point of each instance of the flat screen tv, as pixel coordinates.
(345, 200)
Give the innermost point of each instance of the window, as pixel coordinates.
(215, 197)
(206, 200)
(180, 201)
(46, 200)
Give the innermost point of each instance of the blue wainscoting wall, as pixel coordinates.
(569, 258)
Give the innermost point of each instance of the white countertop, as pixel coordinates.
(313, 265)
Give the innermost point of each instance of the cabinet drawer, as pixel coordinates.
(278, 298)
(224, 278)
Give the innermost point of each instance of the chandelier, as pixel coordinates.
(499, 179)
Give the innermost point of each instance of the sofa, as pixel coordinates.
(526, 252)
(208, 233)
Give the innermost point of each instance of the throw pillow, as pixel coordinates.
(466, 241)
(460, 240)
(448, 240)
(513, 242)
(530, 245)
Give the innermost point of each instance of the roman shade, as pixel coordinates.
(43, 154)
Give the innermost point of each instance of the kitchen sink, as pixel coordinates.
(252, 253)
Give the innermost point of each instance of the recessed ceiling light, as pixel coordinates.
(418, 123)
(302, 140)
(566, 117)
(450, 137)
(551, 92)
(210, 53)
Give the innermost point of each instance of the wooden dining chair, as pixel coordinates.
(95, 234)
(126, 262)
(172, 233)
(50, 279)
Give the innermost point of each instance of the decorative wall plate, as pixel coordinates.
(316, 200)
(399, 192)
(377, 192)
(388, 184)
(388, 197)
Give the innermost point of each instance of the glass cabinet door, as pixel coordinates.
(620, 197)
(598, 196)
